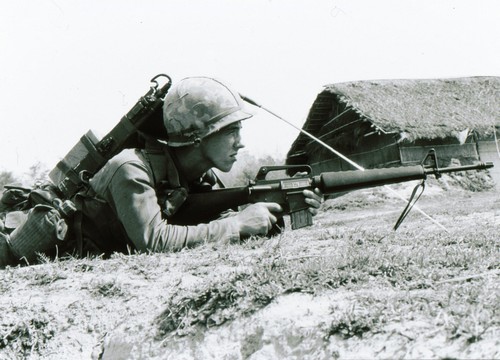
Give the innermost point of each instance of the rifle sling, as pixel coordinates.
(410, 203)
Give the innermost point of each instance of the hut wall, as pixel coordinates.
(353, 136)
(466, 153)
(377, 150)
(488, 151)
(386, 157)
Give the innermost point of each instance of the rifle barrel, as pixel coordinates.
(341, 181)
(479, 166)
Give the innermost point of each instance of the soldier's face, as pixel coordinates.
(221, 147)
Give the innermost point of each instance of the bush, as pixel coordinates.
(37, 173)
(6, 177)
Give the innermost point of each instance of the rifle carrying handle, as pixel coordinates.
(264, 170)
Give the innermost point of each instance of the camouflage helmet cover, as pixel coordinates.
(196, 107)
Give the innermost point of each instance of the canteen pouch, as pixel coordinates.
(6, 257)
(41, 231)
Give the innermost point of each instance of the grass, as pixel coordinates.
(420, 283)
(403, 261)
(248, 289)
(106, 288)
(355, 321)
(26, 333)
(420, 273)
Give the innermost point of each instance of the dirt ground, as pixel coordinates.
(348, 287)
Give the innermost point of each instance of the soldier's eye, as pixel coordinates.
(232, 131)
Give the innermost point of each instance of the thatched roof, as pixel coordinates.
(425, 109)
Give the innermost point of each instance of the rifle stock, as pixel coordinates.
(206, 206)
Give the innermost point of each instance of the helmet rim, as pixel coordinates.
(199, 106)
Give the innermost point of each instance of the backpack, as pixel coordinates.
(32, 220)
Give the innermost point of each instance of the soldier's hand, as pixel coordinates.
(314, 199)
(257, 219)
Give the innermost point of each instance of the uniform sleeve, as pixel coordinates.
(134, 199)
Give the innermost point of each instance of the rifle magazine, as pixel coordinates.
(300, 219)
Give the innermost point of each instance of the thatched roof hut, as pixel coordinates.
(376, 122)
(425, 108)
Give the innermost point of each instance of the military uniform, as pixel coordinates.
(134, 194)
(131, 199)
(128, 204)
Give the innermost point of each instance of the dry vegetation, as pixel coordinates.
(425, 108)
(347, 287)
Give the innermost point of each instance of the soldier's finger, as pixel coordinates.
(273, 207)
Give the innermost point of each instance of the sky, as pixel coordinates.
(67, 66)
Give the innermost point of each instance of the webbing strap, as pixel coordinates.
(94, 154)
(68, 172)
(78, 224)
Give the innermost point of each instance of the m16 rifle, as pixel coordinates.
(288, 192)
(91, 153)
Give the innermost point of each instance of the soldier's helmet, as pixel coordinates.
(196, 107)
